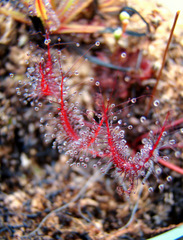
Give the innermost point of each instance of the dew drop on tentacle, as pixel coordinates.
(133, 100)
(166, 158)
(120, 122)
(85, 165)
(97, 43)
(164, 134)
(127, 78)
(18, 91)
(99, 163)
(158, 171)
(47, 41)
(156, 103)
(161, 187)
(87, 159)
(150, 189)
(130, 127)
(72, 164)
(42, 120)
(76, 73)
(123, 55)
(169, 178)
(102, 170)
(40, 104)
(177, 154)
(172, 141)
(142, 119)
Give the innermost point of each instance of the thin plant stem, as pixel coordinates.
(163, 61)
(124, 229)
(170, 166)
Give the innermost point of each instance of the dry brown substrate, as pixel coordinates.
(37, 180)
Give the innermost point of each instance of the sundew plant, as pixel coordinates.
(97, 135)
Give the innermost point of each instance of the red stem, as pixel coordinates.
(64, 116)
(157, 141)
(96, 132)
(44, 86)
(49, 61)
(116, 159)
(168, 126)
(170, 166)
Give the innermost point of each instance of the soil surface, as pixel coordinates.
(42, 197)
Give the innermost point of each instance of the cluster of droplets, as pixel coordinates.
(86, 135)
(133, 166)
